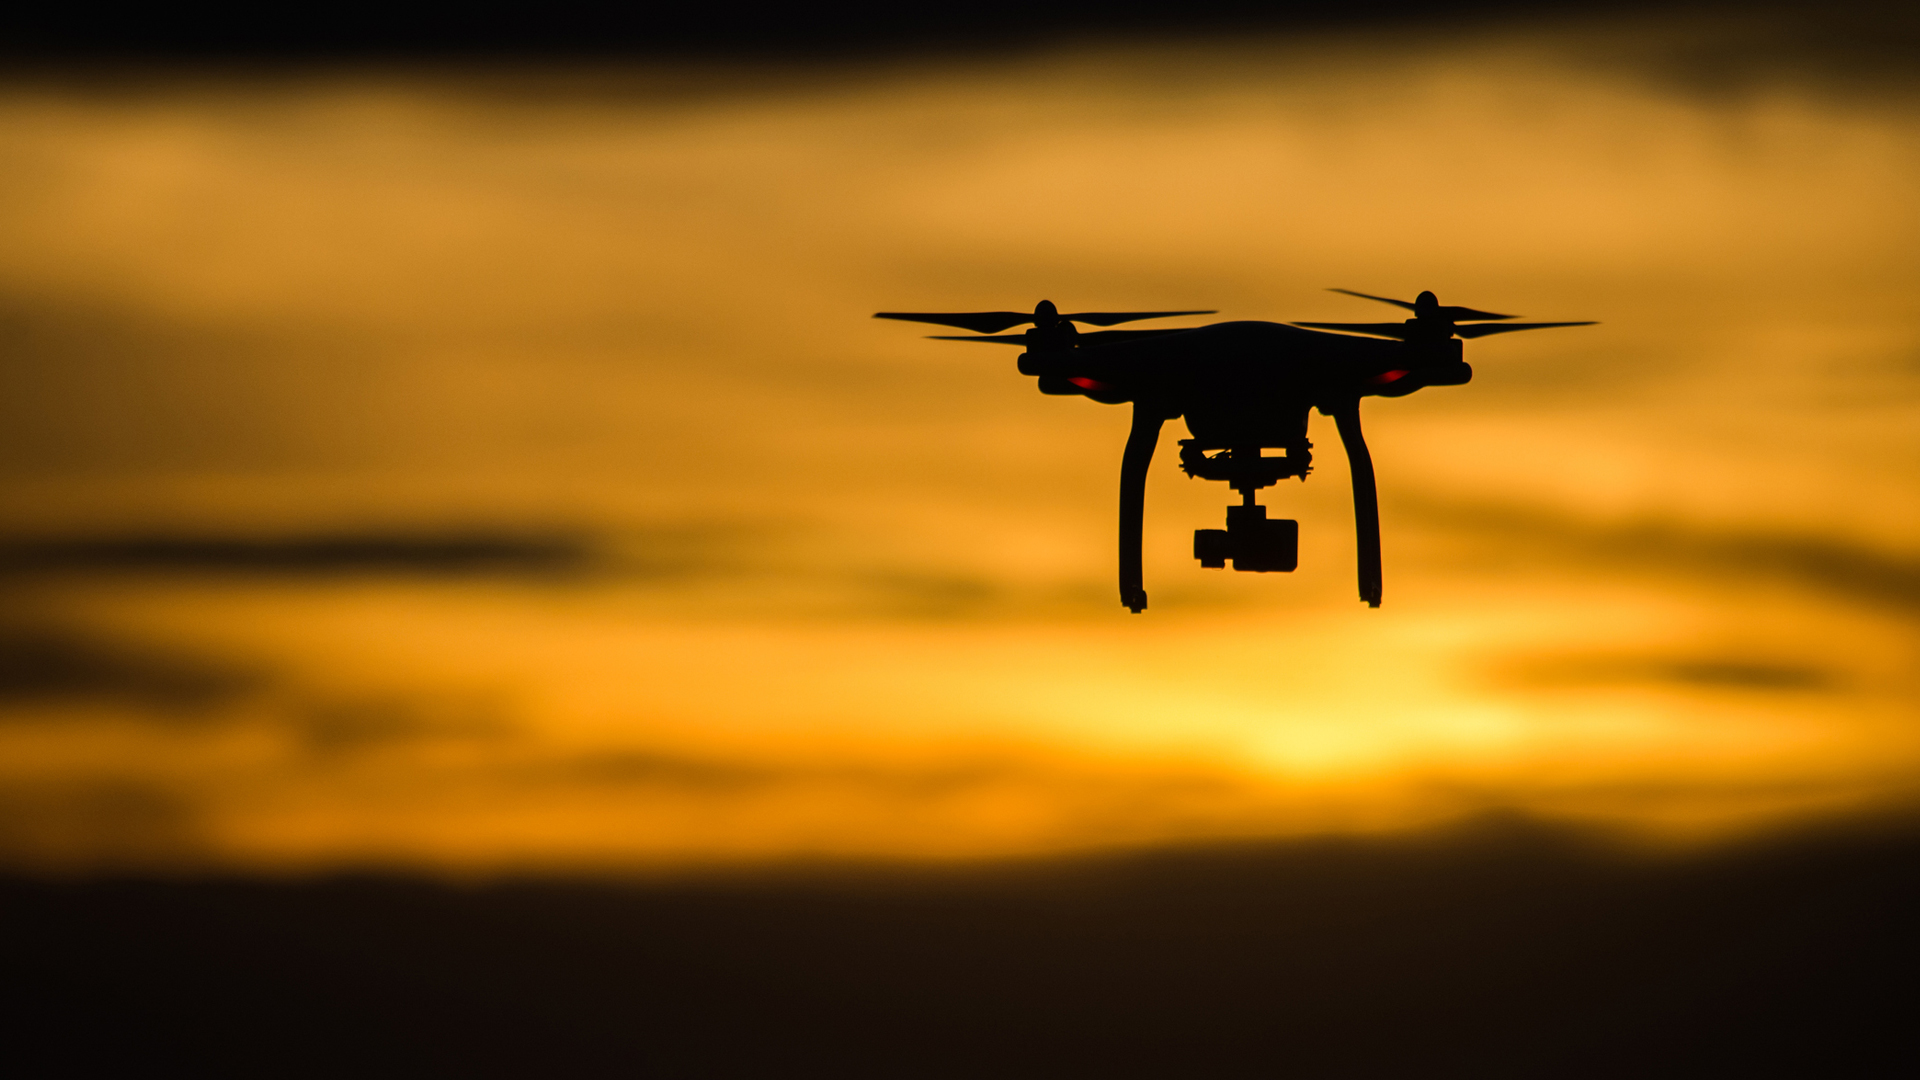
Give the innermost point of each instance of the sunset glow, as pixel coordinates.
(781, 581)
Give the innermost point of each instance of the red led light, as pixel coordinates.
(1085, 383)
(1379, 380)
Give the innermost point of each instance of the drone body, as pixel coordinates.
(1243, 387)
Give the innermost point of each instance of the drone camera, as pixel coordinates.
(1251, 541)
(1212, 547)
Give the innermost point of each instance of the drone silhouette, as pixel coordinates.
(1244, 387)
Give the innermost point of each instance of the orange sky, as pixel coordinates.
(851, 591)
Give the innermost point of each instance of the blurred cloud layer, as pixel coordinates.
(489, 469)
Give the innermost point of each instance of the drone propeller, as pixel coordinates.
(1428, 306)
(1405, 332)
(1432, 321)
(1508, 328)
(1094, 337)
(1044, 315)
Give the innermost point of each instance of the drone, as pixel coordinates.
(1244, 388)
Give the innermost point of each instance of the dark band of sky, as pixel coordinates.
(802, 30)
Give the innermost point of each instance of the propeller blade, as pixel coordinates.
(1467, 314)
(1408, 304)
(992, 339)
(1507, 328)
(1093, 337)
(1378, 329)
(985, 322)
(1108, 318)
(992, 322)
(1451, 314)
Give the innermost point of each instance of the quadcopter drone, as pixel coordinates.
(1244, 387)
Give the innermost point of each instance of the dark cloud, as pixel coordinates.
(55, 665)
(1847, 47)
(330, 725)
(664, 552)
(649, 769)
(1702, 672)
(836, 29)
(98, 824)
(954, 774)
(454, 554)
(1851, 570)
(1503, 949)
(1720, 46)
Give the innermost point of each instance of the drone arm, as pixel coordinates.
(1366, 501)
(1133, 500)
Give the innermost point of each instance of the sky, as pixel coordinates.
(469, 468)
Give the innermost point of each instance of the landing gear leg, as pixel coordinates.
(1366, 501)
(1133, 500)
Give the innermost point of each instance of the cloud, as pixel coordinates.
(1828, 564)
(333, 553)
(51, 665)
(98, 824)
(1684, 670)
